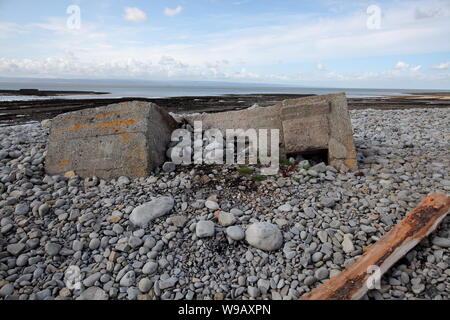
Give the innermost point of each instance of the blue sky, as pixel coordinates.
(337, 43)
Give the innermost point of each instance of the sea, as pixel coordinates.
(177, 89)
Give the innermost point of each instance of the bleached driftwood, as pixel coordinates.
(352, 283)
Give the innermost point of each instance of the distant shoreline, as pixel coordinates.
(47, 93)
(24, 111)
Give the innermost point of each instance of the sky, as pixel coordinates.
(327, 43)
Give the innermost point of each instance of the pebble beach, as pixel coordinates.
(204, 239)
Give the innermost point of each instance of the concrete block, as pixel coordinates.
(125, 139)
(306, 125)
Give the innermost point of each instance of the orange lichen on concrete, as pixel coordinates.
(114, 124)
(80, 126)
(63, 163)
(117, 126)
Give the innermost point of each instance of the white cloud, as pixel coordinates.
(320, 66)
(251, 53)
(168, 67)
(10, 29)
(401, 65)
(441, 66)
(173, 12)
(135, 14)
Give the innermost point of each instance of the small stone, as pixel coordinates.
(22, 260)
(150, 267)
(90, 281)
(179, 221)
(236, 212)
(368, 229)
(69, 174)
(323, 236)
(144, 214)
(218, 296)
(328, 202)
(128, 279)
(338, 258)
(212, 205)
(15, 248)
(418, 288)
(43, 209)
(169, 167)
(321, 273)
(312, 173)
(145, 284)
(253, 292)
(235, 233)
(204, 228)
(93, 293)
(310, 212)
(285, 207)
(168, 283)
(65, 292)
(276, 296)
(7, 290)
(94, 244)
(117, 228)
(310, 280)
(134, 242)
(347, 244)
(317, 256)
(226, 219)
(123, 181)
(43, 294)
(52, 249)
(22, 209)
(441, 242)
(334, 273)
(149, 243)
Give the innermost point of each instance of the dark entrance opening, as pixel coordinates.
(314, 157)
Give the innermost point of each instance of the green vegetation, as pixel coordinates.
(285, 162)
(245, 170)
(258, 178)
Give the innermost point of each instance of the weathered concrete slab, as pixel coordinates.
(259, 118)
(125, 139)
(306, 125)
(305, 128)
(341, 147)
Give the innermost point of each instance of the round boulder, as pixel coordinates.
(264, 236)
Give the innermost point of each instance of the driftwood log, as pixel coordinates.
(352, 283)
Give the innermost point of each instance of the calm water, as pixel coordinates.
(161, 91)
